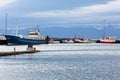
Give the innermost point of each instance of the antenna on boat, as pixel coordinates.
(37, 28)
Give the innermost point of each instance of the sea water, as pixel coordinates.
(63, 62)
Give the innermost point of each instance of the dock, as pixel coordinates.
(29, 50)
(10, 53)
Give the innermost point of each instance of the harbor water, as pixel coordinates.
(63, 62)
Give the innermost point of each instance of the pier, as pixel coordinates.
(29, 50)
(17, 53)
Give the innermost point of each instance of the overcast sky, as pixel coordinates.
(60, 13)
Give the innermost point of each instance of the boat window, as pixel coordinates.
(33, 33)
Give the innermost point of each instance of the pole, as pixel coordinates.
(17, 27)
(104, 28)
(6, 23)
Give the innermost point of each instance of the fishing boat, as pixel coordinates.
(2, 37)
(107, 39)
(83, 40)
(34, 37)
(2, 40)
(54, 41)
(67, 40)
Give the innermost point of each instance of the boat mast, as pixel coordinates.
(6, 23)
(17, 28)
(104, 29)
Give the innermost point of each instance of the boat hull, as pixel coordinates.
(15, 40)
(81, 41)
(107, 41)
(70, 41)
(3, 42)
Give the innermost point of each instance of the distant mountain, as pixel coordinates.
(61, 32)
(71, 32)
(90, 32)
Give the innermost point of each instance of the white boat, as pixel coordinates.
(109, 39)
(52, 41)
(67, 40)
(84, 40)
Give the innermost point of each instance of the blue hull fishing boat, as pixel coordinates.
(15, 40)
(34, 37)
